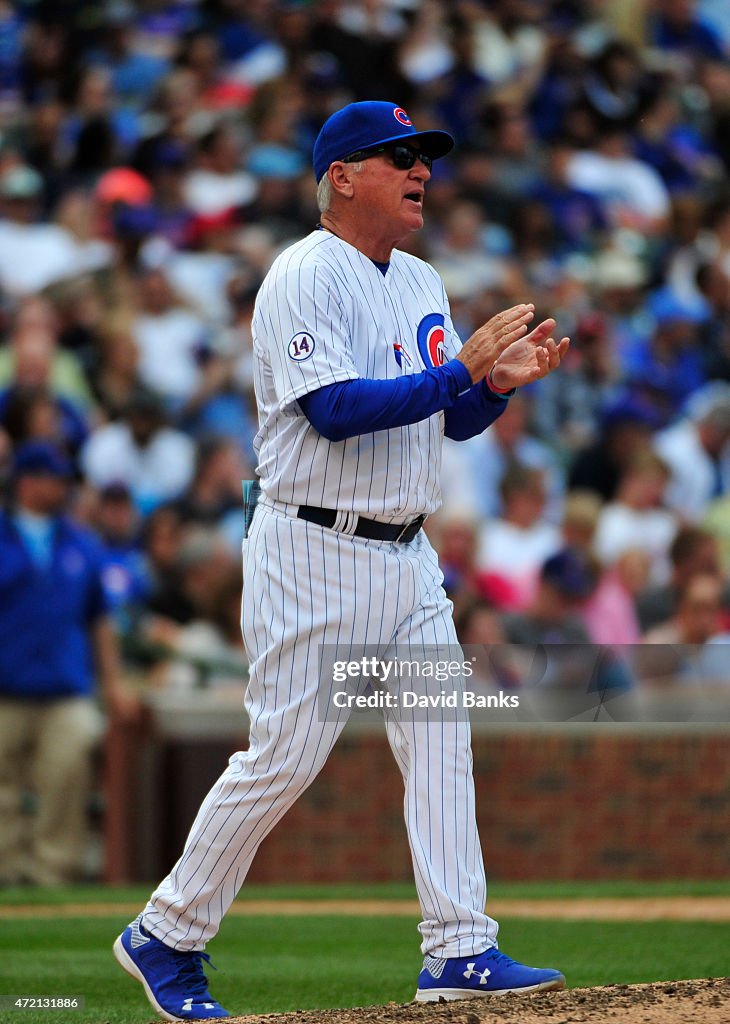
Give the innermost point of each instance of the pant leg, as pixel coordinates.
(16, 720)
(303, 587)
(66, 733)
(435, 759)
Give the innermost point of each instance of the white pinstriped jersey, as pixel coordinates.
(326, 313)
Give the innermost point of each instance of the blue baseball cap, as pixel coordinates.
(368, 124)
(41, 458)
(571, 572)
(628, 408)
(670, 308)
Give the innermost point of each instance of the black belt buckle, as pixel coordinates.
(415, 525)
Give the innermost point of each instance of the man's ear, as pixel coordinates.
(340, 175)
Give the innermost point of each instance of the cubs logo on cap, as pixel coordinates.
(368, 124)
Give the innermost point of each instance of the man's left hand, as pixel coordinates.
(529, 358)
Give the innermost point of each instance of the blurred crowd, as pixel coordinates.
(155, 157)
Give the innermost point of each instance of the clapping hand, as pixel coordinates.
(503, 348)
(529, 358)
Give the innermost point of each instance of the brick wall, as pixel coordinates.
(549, 806)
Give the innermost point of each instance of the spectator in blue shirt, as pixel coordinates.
(125, 579)
(577, 218)
(53, 628)
(678, 27)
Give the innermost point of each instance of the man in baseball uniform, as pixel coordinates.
(359, 375)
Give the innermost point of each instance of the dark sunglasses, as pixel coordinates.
(401, 156)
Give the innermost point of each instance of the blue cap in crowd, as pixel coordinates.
(41, 458)
(670, 308)
(628, 408)
(368, 124)
(571, 573)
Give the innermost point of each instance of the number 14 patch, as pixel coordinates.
(301, 346)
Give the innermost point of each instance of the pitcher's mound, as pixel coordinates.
(705, 1001)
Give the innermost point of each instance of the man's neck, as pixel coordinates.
(361, 237)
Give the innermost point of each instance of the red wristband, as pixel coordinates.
(493, 387)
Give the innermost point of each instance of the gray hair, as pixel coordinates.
(324, 189)
(324, 194)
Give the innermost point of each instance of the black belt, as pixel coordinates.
(370, 529)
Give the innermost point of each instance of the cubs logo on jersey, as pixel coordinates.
(431, 337)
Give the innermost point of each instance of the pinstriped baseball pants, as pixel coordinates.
(305, 586)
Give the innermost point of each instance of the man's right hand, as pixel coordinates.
(489, 341)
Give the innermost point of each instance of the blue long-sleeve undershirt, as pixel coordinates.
(362, 406)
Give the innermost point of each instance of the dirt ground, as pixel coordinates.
(657, 908)
(706, 1001)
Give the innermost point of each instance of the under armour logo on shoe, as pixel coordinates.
(482, 975)
(187, 1006)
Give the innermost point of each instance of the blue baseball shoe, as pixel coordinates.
(490, 973)
(174, 981)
